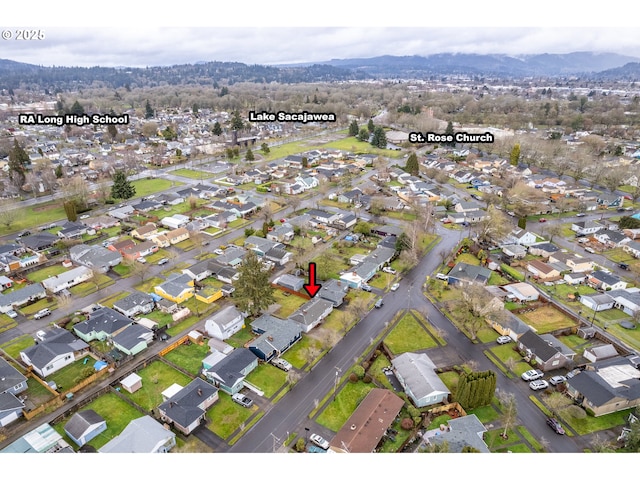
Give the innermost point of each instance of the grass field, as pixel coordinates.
(408, 336)
(547, 319)
(227, 416)
(189, 357)
(147, 186)
(339, 410)
(193, 174)
(267, 378)
(301, 353)
(156, 377)
(16, 345)
(352, 144)
(288, 303)
(44, 273)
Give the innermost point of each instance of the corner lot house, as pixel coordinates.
(186, 409)
(17, 298)
(417, 375)
(142, 435)
(548, 356)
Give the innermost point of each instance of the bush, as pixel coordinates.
(367, 378)
(353, 378)
(406, 424)
(366, 365)
(359, 371)
(300, 444)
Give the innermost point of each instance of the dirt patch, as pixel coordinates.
(44, 208)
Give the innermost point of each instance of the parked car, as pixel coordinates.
(395, 287)
(12, 314)
(84, 217)
(624, 266)
(532, 375)
(589, 250)
(163, 261)
(42, 313)
(538, 385)
(442, 276)
(26, 233)
(218, 251)
(580, 214)
(542, 220)
(555, 425)
(389, 270)
(365, 287)
(557, 380)
(379, 303)
(319, 441)
(282, 364)
(503, 339)
(241, 399)
(141, 260)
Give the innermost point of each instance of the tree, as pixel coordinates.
(76, 189)
(522, 222)
(236, 122)
(76, 108)
(148, 111)
(476, 310)
(253, 292)
(17, 164)
(150, 129)
(8, 212)
(379, 138)
(138, 269)
(112, 130)
(59, 173)
(121, 187)
(370, 125)
(217, 129)
(449, 131)
(509, 409)
(265, 148)
(70, 211)
(249, 157)
(493, 227)
(476, 389)
(169, 134)
(363, 135)
(515, 155)
(412, 166)
(353, 129)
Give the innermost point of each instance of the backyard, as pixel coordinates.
(156, 378)
(189, 356)
(337, 411)
(547, 319)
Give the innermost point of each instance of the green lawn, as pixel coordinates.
(467, 258)
(300, 354)
(589, 424)
(354, 145)
(73, 374)
(186, 324)
(44, 273)
(156, 377)
(288, 303)
(160, 317)
(267, 378)
(37, 393)
(408, 336)
(237, 340)
(375, 370)
(450, 379)
(227, 416)
(16, 345)
(146, 186)
(6, 323)
(147, 285)
(29, 217)
(337, 412)
(193, 174)
(110, 300)
(189, 357)
(486, 414)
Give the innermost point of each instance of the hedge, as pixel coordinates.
(512, 272)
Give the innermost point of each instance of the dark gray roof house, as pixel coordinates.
(102, 323)
(464, 272)
(84, 426)
(21, 296)
(11, 380)
(546, 353)
(276, 336)
(95, 256)
(188, 407)
(229, 373)
(312, 313)
(39, 241)
(334, 291)
(55, 352)
(134, 304)
(10, 408)
(132, 339)
(290, 281)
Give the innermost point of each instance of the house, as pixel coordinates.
(587, 227)
(12, 383)
(39, 242)
(547, 356)
(145, 232)
(71, 230)
(459, 434)
(229, 374)
(132, 339)
(574, 262)
(632, 248)
(366, 426)
(102, 324)
(602, 280)
(597, 302)
(135, 303)
(175, 221)
(177, 288)
(312, 313)
(352, 196)
(290, 282)
(514, 251)
(544, 249)
(276, 336)
(611, 238)
(22, 296)
(464, 272)
(334, 291)
(178, 235)
(187, 408)
(520, 236)
(626, 300)
(606, 386)
(467, 207)
(574, 278)
(84, 426)
(609, 200)
(417, 375)
(600, 352)
(122, 213)
(142, 435)
(522, 291)
(282, 233)
(95, 256)
(42, 439)
(542, 271)
(67, 279)
(224, 323)
(59, 349)
(132, 382)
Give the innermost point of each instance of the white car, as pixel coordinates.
(319, 441)
(557, 380)
(538, 385)
(503, 339)
(218, 251)
(532, 375)
(442, 276)
(12, 314)
(84, 217)
(389, 270)
(282, 364)
(395, 286)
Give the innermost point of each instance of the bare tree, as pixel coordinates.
(8, 212)
(509, 411)
(493, 227)
(140, 270)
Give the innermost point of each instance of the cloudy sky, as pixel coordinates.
(116, 34)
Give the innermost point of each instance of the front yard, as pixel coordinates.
(267, 378)
(226, 416)
(337, 411)
(409, 335)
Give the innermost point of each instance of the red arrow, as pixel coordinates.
(312, 287)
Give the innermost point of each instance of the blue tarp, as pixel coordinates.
(99, 365)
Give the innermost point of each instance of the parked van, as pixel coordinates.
(42, 313)
(282, 364)
(589, 249)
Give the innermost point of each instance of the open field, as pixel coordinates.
(547, 319)
(193, 174)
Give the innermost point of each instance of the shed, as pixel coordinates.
(195, 336)
(132, 383)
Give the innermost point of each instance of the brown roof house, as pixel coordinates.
(543, 271)
(364, 429)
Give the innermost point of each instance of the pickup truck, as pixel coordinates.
(241, 399)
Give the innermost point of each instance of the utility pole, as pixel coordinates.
(335, 385)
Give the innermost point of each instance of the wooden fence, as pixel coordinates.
(174, 345)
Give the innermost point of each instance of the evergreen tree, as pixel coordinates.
(17, 164)
(195, 109)
(70, 211)
(515, 155)
(476, 389)
(379, 138)
(76, 108)
(412, 164)
(236, 122)
(113, 131)
(249, 156)
(169, 134)
(253, 292)
(364, 135)
(370, 126)
(353, 129)
(59, 173)
(522, 222)
(148, 111)
(121, 187)
(224, 91)
(217, 129)
(449, 131)
(305, 162)
(265, 148)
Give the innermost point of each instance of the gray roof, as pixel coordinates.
(605, 277)
(290, 281)
(54, 282)
(105, 320)
(175, 285)
(80, 422)
(546, 247)
(462, 432)
(311, 311)
(94, 255)
(607, 380)
(276, 334)
(21, 295)
(183, 408)
(418, 372)
(9, 376)
(229, 370)
(132, 336)
(334, 291)
(538, 345)
(142, 435)
(133, 300)
(225, 317)
(55, 344)
(473, 273)
(8, 401)
(630, 296)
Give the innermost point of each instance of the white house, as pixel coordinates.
(225, 323)
(67, 279)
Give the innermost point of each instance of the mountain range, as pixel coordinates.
(588, 65)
